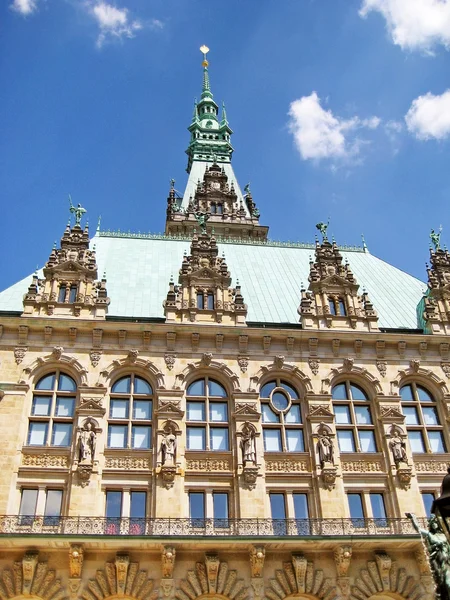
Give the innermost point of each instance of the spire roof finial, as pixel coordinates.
(206, 89)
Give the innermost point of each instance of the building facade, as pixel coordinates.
(197, 422)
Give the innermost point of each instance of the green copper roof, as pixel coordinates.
(138, 273)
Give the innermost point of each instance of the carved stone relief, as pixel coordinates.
(29, 577)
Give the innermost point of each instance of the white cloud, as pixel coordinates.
(113, 22)
(24, 7)
(318, 134)
(429, 116)
(414, 24)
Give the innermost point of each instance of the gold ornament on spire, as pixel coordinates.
(204, 50)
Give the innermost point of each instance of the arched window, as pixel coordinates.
(424, 428)
(130, 414)
(282, 417)
(354, 423)
(52, 410)
(207, 416)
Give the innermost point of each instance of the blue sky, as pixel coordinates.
(339, 109)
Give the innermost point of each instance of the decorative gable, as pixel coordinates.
(204, 294)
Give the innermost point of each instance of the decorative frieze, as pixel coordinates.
(46, 461)
(208, 465)
(286, 465)
(128, 463)
(361, 466)
(431, 466)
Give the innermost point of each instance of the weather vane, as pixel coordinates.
(204, 50)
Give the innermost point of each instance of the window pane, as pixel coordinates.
(346, 441)
(196, 411)
(339, 392)
(64, 407)
(294, 440)
(430, 415)
(142, 387)
(410, 412)
(277, 506)
(428, 500)
(301, 506)
(28, 502)
(196, 439)
(114, 505)
(342, 308)
(138, 504)
(367, 441)
(53, 503)
(218, 411)
(424, 396)
(220, 502)
(37, 434)
(272, 440)
(215, 389)
(140, 437)
(293, 415)
(342, 414)
(280, 401)
(62, 293)
(416, 441)
(41, 406)
(62, 434)
(210, 304)
(73, 293)
(200, 301)
(406, 393)
(197, 388)
(357, 393)
(123, 386)
(268, 416)
(197, 505)
(332, 306)
(355, 506)
(289, 389)
(119, 409)
(142, 409)
(117, 436)
(436, 441)
(362, 414)
(219, 438)
(266, 389)
(66, 383)
(47, 382)
(378, 508)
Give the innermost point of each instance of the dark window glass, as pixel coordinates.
(213, 209)
(138, 503)
(219, 209)
(301, 506)
(356, 509)
(28, 502)
(277, 506)
(220, 507)
(113, 504)
(378, 509)
(342, 310)
(332, 305)
(73, 293)
(428, 500)
(210, 300)
(197, 508)
(62, 293)
(200, 300)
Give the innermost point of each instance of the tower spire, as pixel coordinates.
(206, 89)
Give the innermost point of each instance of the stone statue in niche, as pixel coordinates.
(325, 447)
(86, 443)
(168, 449)
(248, 446)
(397, 446)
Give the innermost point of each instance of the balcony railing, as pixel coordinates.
(87, 526)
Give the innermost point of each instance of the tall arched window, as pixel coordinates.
(130, 414)
(52, 410)
(424, 428)
(207, 416)
(282, 417)
(354, 423)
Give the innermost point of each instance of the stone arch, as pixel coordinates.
(32, 579)
(383, 577)
(131, 363)
(299, 578)
(426, 377)
(44, 364)
(225, 375)
(120, 578)
(359, 375)
(289, 372)
(212, 577)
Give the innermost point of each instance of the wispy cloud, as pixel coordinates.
(319, 134)
(114, 23)
(24, 7)
(414, 24)
(429, 117)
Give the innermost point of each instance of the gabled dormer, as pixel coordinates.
(69, 286)
(332, 299)
(435, 306)
(204, 293)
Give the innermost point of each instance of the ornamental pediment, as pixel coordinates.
(69, 266)
(335, 281)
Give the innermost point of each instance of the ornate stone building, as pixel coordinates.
(220, 416)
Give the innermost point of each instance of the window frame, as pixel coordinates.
(367, 508)
(282, 425)
(422, 427)
(353, 426)
(207, 425)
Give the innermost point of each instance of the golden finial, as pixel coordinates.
(204, 50)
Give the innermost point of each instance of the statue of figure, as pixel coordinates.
(201, 217)
(78, 211)
(322, 227)
(439, 553)
(325, 448)
(255, 213)
(248, 446)
(247, 188)
(436, 238)
(398, 447)
(168, 448)
(172, 184)
(87, 441)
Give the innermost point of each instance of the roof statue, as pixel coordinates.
(247, 188)
(322, 227)
(78, 211)
(436, 238)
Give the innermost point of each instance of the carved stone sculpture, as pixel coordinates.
(168, 449)
(248, 445)
(325, 448)
(86, 443)
(397, 446)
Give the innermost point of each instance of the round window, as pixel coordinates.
(279, 400)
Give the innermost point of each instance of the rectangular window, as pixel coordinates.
(301, 506)
(142, 409)
(220, 507)
(138, 505)
(411, 416)
(294, 440)
(218, 411)
(119, 409)
(196, 438)
(37, 433)
(219, 438)
(278, 510)
(210, 301)
(195, 411)
(200, 301)
(342, 414)
(62, 434)
(62, 293)
(41, 406)
(113, 512)
(272, 440)
(293, 415)
(73, 293)
(64, 407)
(197, 509)
(416, 441)
(140, 437)
(346, 440)
(355, 506)
(428, 500)
(367, 441)
(362, 414)
(117, 436)
(53, 505)
(436, 441)
(27, 508)
(378, 509)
